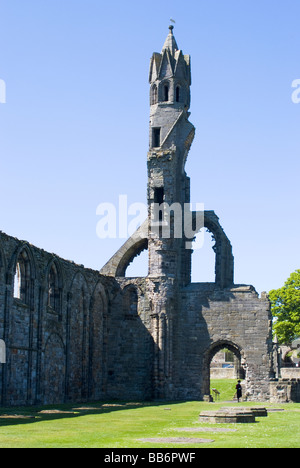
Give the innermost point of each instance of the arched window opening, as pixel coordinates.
(203, 258)
(17, 282)
(153, 98)
(177, 93)
(139, 266)
(130, 302)
(53, 289)
(2, 352)
(166, 92)
(22, 278)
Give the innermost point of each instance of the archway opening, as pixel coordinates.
(224, 366)
(139, 266)
(203, 258)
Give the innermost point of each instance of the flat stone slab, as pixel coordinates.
(273, 410)
(177, 440)
(87, 408)
(16, 416)
(56, 411)
(204, 429)
(228, 415)
(258, 411)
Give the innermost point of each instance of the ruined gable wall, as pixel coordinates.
(211, 317)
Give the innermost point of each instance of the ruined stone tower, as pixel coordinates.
(171, 135)
(188, 322)
(74, 334)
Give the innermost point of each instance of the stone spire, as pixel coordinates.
(170, 42)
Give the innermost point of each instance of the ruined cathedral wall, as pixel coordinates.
(212, 319)
(54, 317)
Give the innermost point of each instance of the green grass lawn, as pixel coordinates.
(121, 424)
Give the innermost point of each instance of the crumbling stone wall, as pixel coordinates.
(73, 334)
(187, 322)
(52, 355)
(90, 341)
(285, 391)
(127, 338)
(212, 319)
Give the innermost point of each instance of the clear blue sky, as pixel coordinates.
(74, 129)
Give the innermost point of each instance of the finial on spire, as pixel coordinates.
(171, 27)
(170, 42)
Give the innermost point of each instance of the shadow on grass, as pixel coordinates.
(29, 415)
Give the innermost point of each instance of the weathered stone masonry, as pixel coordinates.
(190, 322)
(75, 334)
(79, 350)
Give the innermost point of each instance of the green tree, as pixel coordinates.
(285, 307)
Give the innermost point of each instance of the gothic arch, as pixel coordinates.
(82, 279)
(137, 286)
(224, 259)
(130, 255)
(203, 261)
(98, 332)
(100, 291)
(217, 346)
(22, 273)
(213, 349)
(54, 369)
(54, 285)
(55, 261)
(153, 95)
(165, 91)
(181, 93)
(79, 297)
(118, 264)
(78, 337)
(23, 247)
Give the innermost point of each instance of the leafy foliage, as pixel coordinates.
(285, 307)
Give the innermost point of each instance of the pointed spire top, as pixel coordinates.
(170, 42)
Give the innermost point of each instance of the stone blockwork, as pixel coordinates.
(74, 334)
(126, 338)
(87, 344)
(233, 318)
(285, 390)
(190, 323)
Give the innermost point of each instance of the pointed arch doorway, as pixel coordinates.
(239, 359)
